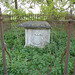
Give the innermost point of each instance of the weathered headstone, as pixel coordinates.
(37, 33)
(6, 22)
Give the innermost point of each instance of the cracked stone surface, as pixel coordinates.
(35, 25)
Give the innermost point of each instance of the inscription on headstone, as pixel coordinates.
(37, 37)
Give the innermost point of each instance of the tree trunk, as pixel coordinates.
(16, 6)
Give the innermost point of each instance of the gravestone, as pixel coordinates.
(6, 22)
(37, 33)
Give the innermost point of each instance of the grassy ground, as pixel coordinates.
(34, 60)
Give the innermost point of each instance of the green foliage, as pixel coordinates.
(51, 8)
(48, 6)
(34, 60)
(16, 12)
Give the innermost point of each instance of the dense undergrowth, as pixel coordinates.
(34, 60)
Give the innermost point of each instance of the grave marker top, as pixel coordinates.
(35, 25)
